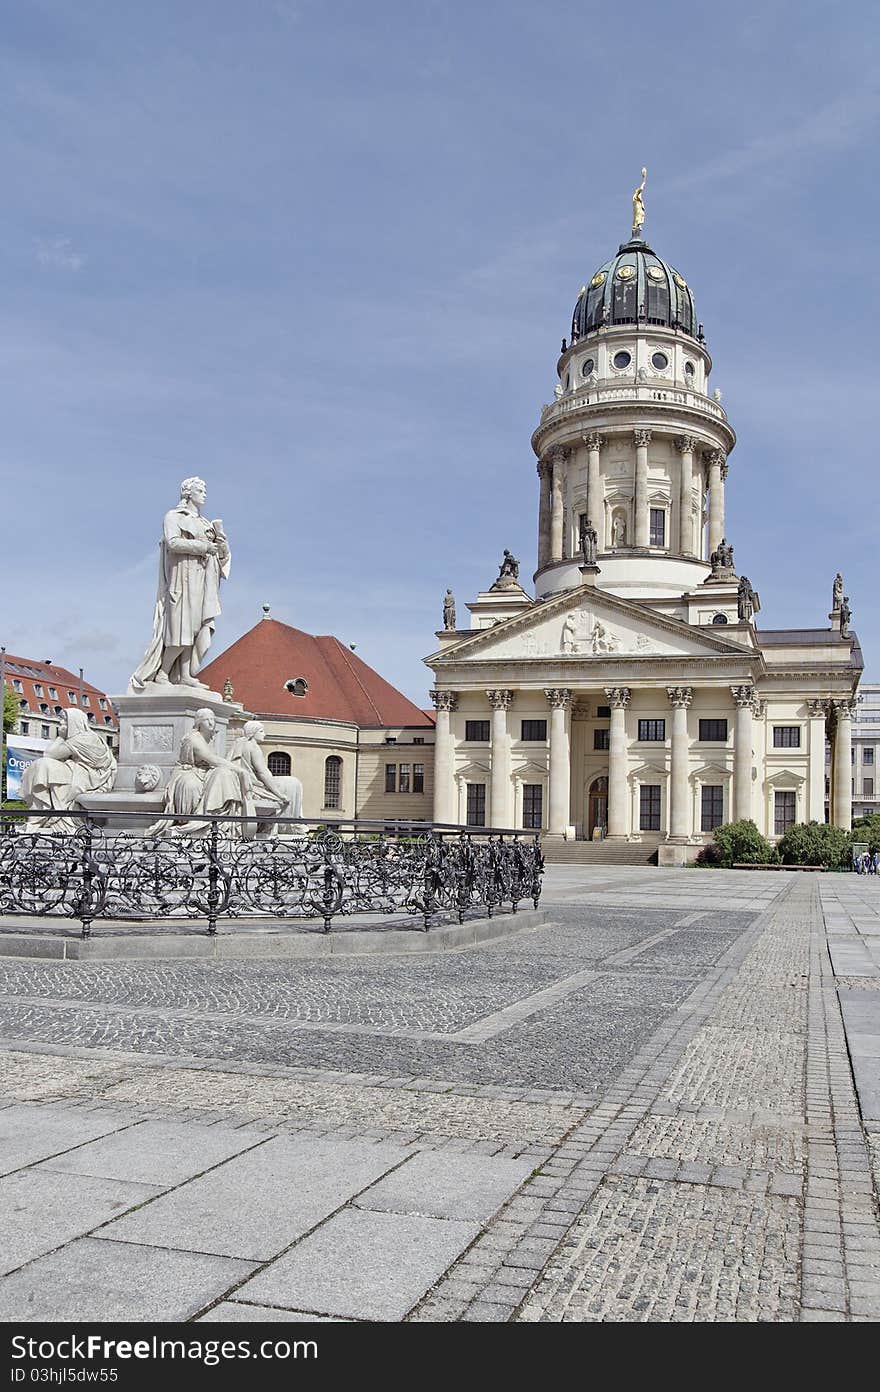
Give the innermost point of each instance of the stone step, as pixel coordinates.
(598, 853)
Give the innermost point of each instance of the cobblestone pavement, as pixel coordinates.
(643, 1110)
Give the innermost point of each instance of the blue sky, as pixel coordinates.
(324, 256)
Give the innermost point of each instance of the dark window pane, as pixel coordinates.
(786, 737)
(332, 781)
(403, 782)
(867, 756)
(658, 527)
(603, 712)
(476, 804)
(784, 812)
(601, 739)
(279, 764)
(534, 729)
(418, 778)
(477, 731)
(649, 807)
(533, 805)
(712, 808)
(713, 730)
(391, 778)
(654, 730)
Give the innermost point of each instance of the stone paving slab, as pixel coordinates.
(447, 1186)
(163, 1153)
(363, 1265)
(861, 1014)
(254, 1206)
(105, 1282)
(40, 1210)
(235, 1312)
(28, 1134)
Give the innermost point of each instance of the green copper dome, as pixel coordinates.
(635, 287)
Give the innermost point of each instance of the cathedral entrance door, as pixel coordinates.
(597, 806)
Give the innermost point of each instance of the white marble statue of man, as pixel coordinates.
(193, 559)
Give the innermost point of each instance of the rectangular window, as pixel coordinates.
(477, 731)
(712, 811)
(603, 712)
(53, 693)
(85, 699)
(652, 730)
(391, 778)
(109, 739)
(418, 739)
(38, 690)
(418, 778)
(17, 686)
(649, 807)
(403, 782)
(476, 804)
(44, 732)
(25, 726)
(102, 703)
(534, 730)
(533, 806)
(71, 696)
(867, 787)
(601, 739)
(786, 736)
(658, 526)
(867, 756)
(784, 812)
(715, 730)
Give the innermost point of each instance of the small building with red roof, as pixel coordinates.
(357, 744)
(44, 690)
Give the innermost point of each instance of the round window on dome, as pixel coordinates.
(622, 359)
(588, 367)
(626, 273)
(659, 361)
(655, 273)
(597, 280)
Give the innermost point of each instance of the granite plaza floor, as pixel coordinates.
(660, 1105)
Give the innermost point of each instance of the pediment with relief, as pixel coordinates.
(588, 624)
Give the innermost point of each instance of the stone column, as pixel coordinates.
(842, 788)
(618, 699)
(744, 697)
(680, 698)
(557, 457)
(817, 712)
(595, 495)
(717, 474)
(445, 809)
(560, 761)
(500, 809)
(686, 444)
(642, 440)
(545, 471)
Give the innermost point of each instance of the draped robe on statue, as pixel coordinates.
(79, 763)
(188, 594)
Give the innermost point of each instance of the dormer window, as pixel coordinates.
(297, 686)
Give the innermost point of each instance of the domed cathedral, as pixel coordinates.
(635, 696)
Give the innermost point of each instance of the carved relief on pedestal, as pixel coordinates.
(152, 737)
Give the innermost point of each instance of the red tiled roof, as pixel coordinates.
(32, 673)
(340, 685)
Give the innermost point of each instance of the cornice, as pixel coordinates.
(617, 417)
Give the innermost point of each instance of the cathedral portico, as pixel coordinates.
(635, 697)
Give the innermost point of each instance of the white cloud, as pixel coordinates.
(59, 254)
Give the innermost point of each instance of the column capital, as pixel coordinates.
(818, 709)
(642, 438)
(715, 456)
(680, 696)
(725, 469)
(685, 444)
(593, 440)
(743, 696)
(443, 700)
(557, 454)
(759, 708)
(500, 700)
(544, 467)
(844, 709)
(618, 696)
(558, 697)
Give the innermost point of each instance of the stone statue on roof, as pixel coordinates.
(449, 612)
(845, 616)
(639, 203)
(508, 574)
(837, 593)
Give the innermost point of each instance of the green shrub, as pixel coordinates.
(816, 843)
(711, 855)
(868, 829)
(741, 843)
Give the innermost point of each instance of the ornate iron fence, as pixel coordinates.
(306, 871)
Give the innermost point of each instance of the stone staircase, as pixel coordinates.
(598, 853)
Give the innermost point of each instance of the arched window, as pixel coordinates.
(279, 764)
(332, 781)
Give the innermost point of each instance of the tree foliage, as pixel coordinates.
(816, 843)
(741, 843)
(868, 829)
(10, 708)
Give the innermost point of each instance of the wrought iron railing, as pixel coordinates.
(307, 870)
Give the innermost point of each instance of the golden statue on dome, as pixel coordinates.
(639, 204)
